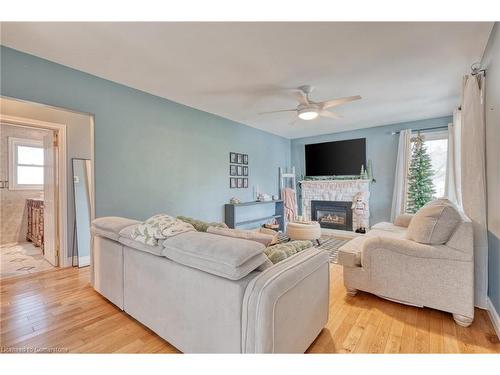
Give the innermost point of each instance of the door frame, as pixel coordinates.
(62, 198)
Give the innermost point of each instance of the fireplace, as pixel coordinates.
(332, 214)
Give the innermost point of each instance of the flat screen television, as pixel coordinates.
(339, 158)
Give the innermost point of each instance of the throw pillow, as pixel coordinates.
(159, 227)
(434, 223)
(199, 225)
(280, 252)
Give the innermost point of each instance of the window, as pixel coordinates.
(25, 164)
(436, 145)
(437, 148)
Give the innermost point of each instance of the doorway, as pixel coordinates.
(28, 199)
(72, 139)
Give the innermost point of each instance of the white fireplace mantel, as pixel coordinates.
(332, 190)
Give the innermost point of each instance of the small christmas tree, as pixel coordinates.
(420, 185)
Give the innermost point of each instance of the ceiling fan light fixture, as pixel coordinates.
(308, 114)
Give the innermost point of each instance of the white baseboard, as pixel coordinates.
(495, 318)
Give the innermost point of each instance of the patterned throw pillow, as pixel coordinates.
(143, 234)
(279, 252)
(159, 227)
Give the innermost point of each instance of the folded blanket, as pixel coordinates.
(159, 227)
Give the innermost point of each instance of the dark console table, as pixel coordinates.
(254, 213)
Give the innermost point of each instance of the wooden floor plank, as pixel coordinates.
(59, 310)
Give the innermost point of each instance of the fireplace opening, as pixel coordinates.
(332, 214)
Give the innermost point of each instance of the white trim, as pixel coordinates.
(13, 143)
(493, 313)
(62, 180)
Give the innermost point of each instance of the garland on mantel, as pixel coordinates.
(332, 179)
(365, 175)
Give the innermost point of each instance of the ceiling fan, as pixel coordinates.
(309, 110)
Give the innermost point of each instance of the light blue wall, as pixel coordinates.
(381, 148)
(151, 154)
(491, 61)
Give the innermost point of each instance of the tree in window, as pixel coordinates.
(420, 184)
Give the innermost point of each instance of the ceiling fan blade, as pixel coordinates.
(335, 102)
(301, 97)
(281, 110)
(294, 121)
(329, 114)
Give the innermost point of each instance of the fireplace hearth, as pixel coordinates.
(332, 214)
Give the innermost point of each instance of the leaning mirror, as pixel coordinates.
(82, 175)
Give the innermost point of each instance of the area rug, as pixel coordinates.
(332, 245)
(327, 243)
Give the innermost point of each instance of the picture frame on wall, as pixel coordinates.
(245, 183)
(240, 183)
(233, 157)
(245, 158)
(233, 183)
(232, 170)
(239, 170)
(239, 158)
(245, 171)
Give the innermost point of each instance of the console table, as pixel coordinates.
(254, 213)
(35, 222)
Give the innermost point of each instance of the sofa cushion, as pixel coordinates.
(403, 220)
(389, 227)
(264, 238)
(232, 258)
(350, 253)
(434, 223)
(110, 226)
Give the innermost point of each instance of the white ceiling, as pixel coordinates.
(403, 71)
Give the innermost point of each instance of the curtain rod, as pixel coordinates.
(422, 130)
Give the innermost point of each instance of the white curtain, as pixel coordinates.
(473, 177)
(400, 175)
(453, 186)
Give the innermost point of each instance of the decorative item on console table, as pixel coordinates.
(263, 197)
(273, 224)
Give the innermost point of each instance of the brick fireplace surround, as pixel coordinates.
(332, 190)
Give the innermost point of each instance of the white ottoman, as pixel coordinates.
(306, 230)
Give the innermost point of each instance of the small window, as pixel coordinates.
(437, 147)
(25, 164)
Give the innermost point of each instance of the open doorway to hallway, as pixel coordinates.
(39, 213)
(27, 200)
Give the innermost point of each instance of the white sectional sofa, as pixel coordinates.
(205, 293)
(422, 260)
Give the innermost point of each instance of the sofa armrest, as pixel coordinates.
(286, 306)
(409, 248)
(403, 220)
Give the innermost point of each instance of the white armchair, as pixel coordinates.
(388, 262)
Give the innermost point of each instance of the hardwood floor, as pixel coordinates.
(58, 311)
